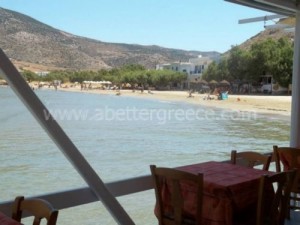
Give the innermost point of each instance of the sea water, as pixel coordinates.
(120, 137)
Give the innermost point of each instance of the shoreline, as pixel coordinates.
(265, 104)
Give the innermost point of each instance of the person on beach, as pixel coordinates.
(190, 94)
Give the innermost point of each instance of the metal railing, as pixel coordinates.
(76, 197)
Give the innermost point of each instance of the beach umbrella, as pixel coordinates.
(203, 82)
(224, 82)
(213, 82)
(195, 80)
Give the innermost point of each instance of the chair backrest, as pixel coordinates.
(250, 159)
(289, 158)
(175, 180)
(272, 206)
(38, 208)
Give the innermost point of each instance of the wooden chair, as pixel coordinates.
(38, 208)
(272, 201)
(272, 208)
(250, 159)
(176, 178)
(289, 158)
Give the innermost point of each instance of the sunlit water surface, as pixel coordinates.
(120, 137)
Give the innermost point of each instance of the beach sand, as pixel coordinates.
(270, 104)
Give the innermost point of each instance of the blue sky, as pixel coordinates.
(182, 24)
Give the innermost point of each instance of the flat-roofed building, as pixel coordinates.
(194, 69)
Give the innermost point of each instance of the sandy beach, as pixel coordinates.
(279, 105)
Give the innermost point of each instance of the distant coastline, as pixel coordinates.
(267, 104)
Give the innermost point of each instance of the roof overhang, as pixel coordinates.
(282, 7)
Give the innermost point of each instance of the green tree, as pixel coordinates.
(102, 75)
(129, 77)
(162, 78)
(222, 70)
(30, 76)
(274, 58)
(262, 56)
(282, 70)
(132, 67)
(57, 75)
(266, 57)
(211, 73)
(80, 76)
(237, 64)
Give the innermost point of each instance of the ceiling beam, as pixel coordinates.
(265, 7)
(283, 4)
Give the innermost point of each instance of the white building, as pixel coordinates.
(42, 73)
(165, 66)
(194, 68)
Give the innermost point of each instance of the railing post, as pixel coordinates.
(295, 112)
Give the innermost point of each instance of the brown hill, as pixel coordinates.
(36, 46)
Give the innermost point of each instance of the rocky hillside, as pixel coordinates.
(32, 45)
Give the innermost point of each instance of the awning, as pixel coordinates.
(282, 7)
